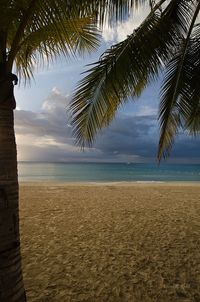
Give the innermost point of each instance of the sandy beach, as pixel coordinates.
(111, 242)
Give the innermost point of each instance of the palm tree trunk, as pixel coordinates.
(11, 280)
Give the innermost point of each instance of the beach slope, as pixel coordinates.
(110, 242)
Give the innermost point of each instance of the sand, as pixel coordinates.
(111, 242)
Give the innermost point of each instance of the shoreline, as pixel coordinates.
(108, 183)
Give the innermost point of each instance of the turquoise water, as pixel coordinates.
(99, 172)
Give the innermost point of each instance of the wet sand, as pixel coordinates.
(111, 242)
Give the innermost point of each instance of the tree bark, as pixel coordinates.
(11, 280)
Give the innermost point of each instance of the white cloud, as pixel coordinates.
(55, 101)
(55, 90)
(146, 111)
(120, 31)
(46, 135)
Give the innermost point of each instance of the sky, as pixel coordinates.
(42, 124)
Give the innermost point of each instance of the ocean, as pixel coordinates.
(107, 172)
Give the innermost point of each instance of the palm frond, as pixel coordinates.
(125, 69)
(45, 44)
(168, 113)
(192, 120)
(39, 15)
(110, 11)
(22, 19)
(176, 91)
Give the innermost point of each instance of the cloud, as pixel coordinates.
(146, 110)
(131, 136)
(47, 136)
(119, 31)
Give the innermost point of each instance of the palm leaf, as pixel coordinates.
(109, 11)
(44, 44)
(55, 16)
(125, 69)
(176, 92)
(20, 20)
(192, 120)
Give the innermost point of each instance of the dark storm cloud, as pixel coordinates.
(130, 135)
(46, 135)
(186, 146)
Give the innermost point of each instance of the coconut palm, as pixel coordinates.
(166, 43)
(33, 33)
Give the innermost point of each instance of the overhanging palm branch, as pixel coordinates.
(46, 30)
(192, 120)
(178, 97)
(109, 10)
(53, 27)
(44, 44)
(126, 69)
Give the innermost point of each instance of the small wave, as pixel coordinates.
(149, 181)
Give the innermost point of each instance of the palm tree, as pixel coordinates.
(166, 43)
(34, 32)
